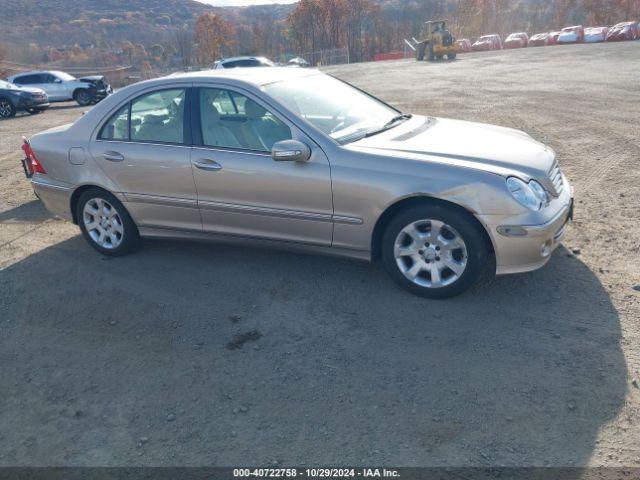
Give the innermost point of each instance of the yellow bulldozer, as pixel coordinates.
(436, 42)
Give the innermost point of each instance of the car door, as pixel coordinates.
(144, 148)
(54, 87)
(241, 189)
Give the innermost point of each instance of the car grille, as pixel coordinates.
(555, 175)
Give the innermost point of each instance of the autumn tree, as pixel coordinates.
(184, 46)
(213, 35)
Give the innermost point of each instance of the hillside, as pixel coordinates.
(108, 22)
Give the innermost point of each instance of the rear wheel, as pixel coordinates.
(105, 223)
(435, 251)
(83, 97)
(7, 110)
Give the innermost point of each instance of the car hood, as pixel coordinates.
(491, 148)
(92, 78)
(30, 90)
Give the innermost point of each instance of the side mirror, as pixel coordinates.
(290, 151)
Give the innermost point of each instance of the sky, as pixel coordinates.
(243, 3)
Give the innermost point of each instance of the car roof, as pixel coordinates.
(37, 72)
(248, 57)
(257, 75)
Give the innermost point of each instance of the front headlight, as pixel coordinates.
(531, 195)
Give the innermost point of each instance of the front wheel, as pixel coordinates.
(435, 251)
(7, 110)
(105, 223)
(83, 97)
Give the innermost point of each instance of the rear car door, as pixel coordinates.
(144, 148)
(241, 189)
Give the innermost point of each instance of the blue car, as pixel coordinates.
(14, 99)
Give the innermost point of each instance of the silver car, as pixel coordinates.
(62, 87)
(298, 159)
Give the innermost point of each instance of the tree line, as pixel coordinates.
(359, 28)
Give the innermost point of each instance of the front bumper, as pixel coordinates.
(102, 93)
(522, 247)
(36, 103)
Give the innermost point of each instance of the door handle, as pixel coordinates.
(113, 156)
(206, 164)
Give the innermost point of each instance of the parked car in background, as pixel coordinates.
(553, 37)
(298, 62)
(517, 40)
(243, 62)
(294, 158)
(14, 99)
(624, 31)
(487, 42)
(464, 44)
(62, 87)
(540, 39)
(573, 34)
(595, 34)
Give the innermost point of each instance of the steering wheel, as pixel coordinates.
(335, 119)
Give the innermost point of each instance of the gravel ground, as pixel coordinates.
(199, 354)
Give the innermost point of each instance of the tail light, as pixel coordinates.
(31, 162)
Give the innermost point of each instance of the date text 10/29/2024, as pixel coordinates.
(315, 473)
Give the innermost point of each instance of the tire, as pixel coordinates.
(451, 56)
(432, 55)
(83, 97)
(7, 110)
(403, 254)
(114, 233)
(439, 57)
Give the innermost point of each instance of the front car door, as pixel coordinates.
(144, 148)
(241, 189)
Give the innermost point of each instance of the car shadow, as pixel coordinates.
(33, 211)
(232, 356)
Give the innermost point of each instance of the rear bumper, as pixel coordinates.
(523, 248)
(56, 196)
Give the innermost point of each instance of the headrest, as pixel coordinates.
(153, 119)
(253, 110)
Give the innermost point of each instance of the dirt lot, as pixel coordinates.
(131, 361)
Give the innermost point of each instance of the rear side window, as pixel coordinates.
(117, 128)
(28, 79)
(159, 117)
(155, 117)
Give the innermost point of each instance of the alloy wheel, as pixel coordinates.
(103, 223)
(6, 109)
(83, 97)
(430, 253)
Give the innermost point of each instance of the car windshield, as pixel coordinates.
(339, 110)
(7, 85)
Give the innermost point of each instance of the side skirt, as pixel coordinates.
(166, 233)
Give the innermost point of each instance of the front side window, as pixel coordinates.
(232, 120)
(159, 117)
(337, 109)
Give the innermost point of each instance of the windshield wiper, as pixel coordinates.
(389, 124)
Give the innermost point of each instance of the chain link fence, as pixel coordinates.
(335, 56)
